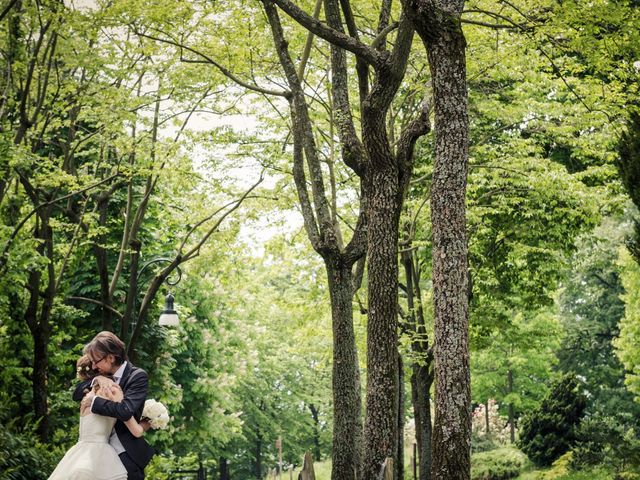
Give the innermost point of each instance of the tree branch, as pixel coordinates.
(382, 36)
(96, 302)
(365, 52)
(195, 250)
(362, 68)
(7, 9)
(307, 46)
(208, 60)
(353, 152)
(418, 127)
(495, 26)
(304, 143)
(498, 16)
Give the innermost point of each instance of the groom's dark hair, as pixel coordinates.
(107, 343)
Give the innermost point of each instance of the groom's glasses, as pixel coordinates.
(95, 362)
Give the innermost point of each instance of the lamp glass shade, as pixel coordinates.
(169, 319)
(168, 316)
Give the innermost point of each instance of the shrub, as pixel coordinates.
(559, 469)
(605, 441)
(499, 464)
(550, 430)
(23, 457)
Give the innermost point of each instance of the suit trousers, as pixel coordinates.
(134, 472)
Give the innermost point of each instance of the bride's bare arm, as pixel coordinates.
(134, 427)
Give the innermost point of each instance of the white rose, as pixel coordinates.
(157, 414)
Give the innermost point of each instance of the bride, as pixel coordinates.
(92, 458)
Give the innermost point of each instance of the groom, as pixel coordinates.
(109, 358)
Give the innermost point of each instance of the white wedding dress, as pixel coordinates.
(92, 458)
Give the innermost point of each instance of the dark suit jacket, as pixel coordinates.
(134, 384)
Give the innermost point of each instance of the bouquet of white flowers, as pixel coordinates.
(156, 413)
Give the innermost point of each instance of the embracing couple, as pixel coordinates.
(111, 393)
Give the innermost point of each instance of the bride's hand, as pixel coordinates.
(102, 382)
(113, 392)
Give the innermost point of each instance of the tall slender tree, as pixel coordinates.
(439, 25)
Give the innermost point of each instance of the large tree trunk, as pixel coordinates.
(384, 176)
(382, 352)
(339, 260)
(130, 313)
(438, 24)
(347, 424)
(40, 391)
(102, 263)
(37, 316)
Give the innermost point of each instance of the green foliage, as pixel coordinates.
(550, 430)
(515, 361)
(604, 441)
(498, 464)
(499, 431)
(627, 342)
(628, 161)
(162, 467)
(560, 467)
(283, 375)
(628, 164)
(22, 455)
(591, 307)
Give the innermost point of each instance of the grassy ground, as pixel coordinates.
(585, 475)
(323, 472)
(321, 469)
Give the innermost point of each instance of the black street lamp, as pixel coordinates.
(168, 316)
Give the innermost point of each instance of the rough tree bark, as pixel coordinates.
(347, 426)
(438, 24)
